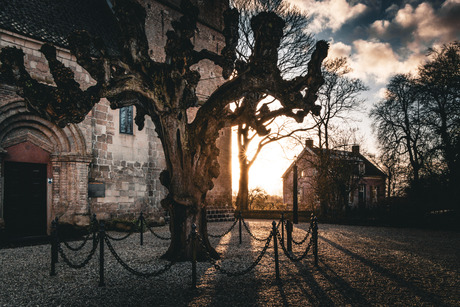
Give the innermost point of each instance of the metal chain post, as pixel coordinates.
(141, 219)
(94, 230)
(58, 242)
(101, 253)
(275, 246)
(289, 227)
(193, 256)
(290, 255)
(54, 247)
(315, 239)
(240, 216)
(282, 226)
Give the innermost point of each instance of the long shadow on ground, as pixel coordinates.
(429, 298)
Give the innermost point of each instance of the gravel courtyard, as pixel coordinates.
(358, 266)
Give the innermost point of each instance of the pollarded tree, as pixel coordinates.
(296, 42)
(165, 91)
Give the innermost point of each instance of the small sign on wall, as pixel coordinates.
(96, 189)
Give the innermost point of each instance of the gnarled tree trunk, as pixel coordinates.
(191, 166)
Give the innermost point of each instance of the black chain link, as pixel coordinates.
(80, 265)
(219, 268)
(225, 233)
(132, 230)
(79, 247)
(253, 236)
(157, 235)
(304, 239)
(133, 271)
(288, 254)
(119, 239)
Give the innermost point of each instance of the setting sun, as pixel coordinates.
(268, 168)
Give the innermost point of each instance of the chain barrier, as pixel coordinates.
(304, 239)
(121, 238)
(133, 229)
(290, 255)
(104, 238)
(225, 233)
(157, 235)
(251, 234)
(80, 265)
(130, 269)
(85, 240)
(79, 247)
(219, 268)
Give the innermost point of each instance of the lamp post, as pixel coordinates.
(295, 206)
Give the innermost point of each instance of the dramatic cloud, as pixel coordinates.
(329, 14)
(338, 50)
(376, 61)
(421, 26)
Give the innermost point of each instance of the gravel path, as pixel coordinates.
(358, 266)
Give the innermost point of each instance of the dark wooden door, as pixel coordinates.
(25, 199)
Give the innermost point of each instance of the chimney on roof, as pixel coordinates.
(355, 149)
(309, 143)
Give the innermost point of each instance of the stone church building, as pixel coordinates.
(103, 165)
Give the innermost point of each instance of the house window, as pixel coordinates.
(126, 120)
(362, 168)
(362, 194)
(375, 193)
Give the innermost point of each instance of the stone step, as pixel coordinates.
(220, 214)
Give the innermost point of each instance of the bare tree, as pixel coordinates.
(399, 124)
(335, 177)
(338, 96)
(418, 126)
(439, 82)
(165, 91)
(246, 136)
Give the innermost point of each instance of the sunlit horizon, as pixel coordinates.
(268, 168)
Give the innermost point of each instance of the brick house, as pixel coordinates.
(365, 182)
(103, 165)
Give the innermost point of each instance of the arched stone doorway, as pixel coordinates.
(44, 172)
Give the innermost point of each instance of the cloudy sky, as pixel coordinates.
(380, 39)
